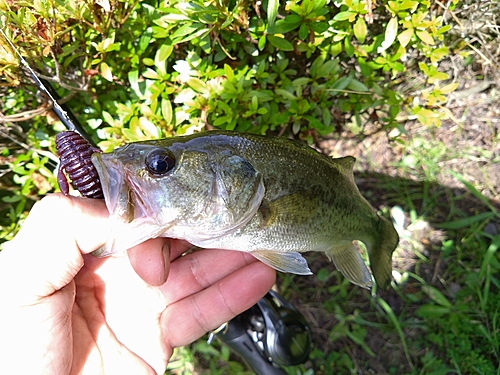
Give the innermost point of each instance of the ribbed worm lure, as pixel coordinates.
(75, 159)
(74, 151)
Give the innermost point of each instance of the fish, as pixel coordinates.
(269, 196)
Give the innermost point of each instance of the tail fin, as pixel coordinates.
(381, 253)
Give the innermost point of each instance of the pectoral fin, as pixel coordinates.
(291, 262)
(298, 208)
(348, 260)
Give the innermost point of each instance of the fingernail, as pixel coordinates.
(166, 259)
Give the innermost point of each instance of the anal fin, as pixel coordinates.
(348, 261)
(291, 262)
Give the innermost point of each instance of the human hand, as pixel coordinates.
(64, 312)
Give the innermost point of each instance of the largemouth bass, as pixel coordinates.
(269, 196)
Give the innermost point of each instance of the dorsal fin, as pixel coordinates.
(346, 163)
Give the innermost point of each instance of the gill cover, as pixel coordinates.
(231, 197)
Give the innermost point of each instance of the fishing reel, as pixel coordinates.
(272, 333)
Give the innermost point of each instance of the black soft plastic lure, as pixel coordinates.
(75, 159)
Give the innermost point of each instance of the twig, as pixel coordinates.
(26, 115)
(83, 88)
(446, 9)
(488, 61)
(129, 12)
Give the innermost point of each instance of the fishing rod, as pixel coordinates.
(269, 335)
(66, 117)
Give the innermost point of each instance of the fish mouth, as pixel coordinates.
(115, 190)
(124, 204)
(130, 209)
(124, 197)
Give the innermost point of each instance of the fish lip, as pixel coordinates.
(114, 188)
(124, 197)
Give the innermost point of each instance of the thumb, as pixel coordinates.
(46, 254)
(151, 260)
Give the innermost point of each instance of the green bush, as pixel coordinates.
(137, 70)
(154, 69)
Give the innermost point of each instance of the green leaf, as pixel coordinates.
(281, 118)
(448, 88)
(148, 61)
(360, 30)
(106, 72)
(254, 103)
(166, 111)
(391, 31)
(355, 85)
(285, 25)
(328, 68)
(432, 311)
(316, 124)
(221, 120)
(145, 40)
(151, 74)
(365, 68)
(164, 52)
(303, 31)
(187, 29)
(262, 42)
(229, 72)
(197, 85)
(342, 16)
(319, 27)
(301, 81)
(407, 4)
(319, 6)
(349, 49)
(317, 63)
(435, 295)
(108, 118)
(198, 34)
(490, 252)
(425, 37)
(148, 128)
(285, 94)
(424, 68)
(405, 37)
(272, 11)
(465, 222)
(280, 43)
(172, 17)
(341, 84)
(326, 115)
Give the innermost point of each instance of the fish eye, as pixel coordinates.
(159, 162)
